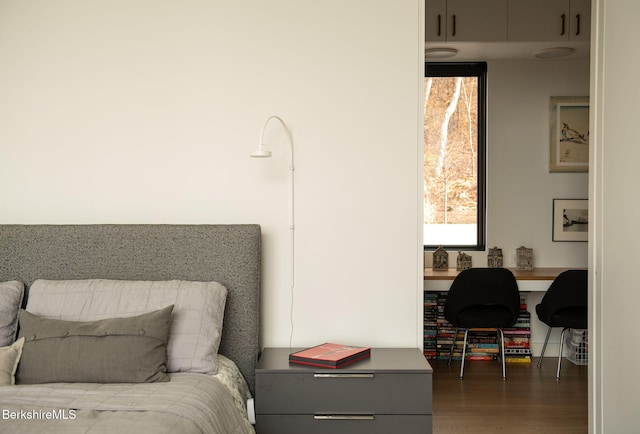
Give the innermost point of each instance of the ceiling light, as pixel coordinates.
(440, 53)
(553, 53)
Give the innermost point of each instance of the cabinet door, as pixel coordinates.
(539, 20)
(580, 20)
(476, 20)
(435, 20)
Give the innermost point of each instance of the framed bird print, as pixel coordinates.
(569, 120)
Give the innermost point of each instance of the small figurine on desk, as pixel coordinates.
(463, 262)
(525, 258)
(440, 259)
(494, 259)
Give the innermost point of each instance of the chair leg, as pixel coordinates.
(453, 345)
(464, 353)
(504, 369)
(544, 347)
(560, 355)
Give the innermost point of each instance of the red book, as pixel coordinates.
(330, 355)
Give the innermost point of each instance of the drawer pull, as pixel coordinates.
(343, 417)
(343, 375)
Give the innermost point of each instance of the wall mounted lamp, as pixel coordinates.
(263, 152)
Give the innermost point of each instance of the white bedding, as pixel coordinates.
(189, 403)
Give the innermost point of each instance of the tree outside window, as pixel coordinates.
(454, 149)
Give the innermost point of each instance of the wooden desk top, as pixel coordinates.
(535, 274)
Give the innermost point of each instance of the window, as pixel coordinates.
(455, 151)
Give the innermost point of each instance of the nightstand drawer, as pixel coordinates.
(310, 424)
(344, 392)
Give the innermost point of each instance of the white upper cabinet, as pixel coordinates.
(466, 20)
(435, 20)
(580, 20)
(549, 20)
(507, 20)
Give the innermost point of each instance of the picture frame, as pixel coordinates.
(569, 138)
(570, 219)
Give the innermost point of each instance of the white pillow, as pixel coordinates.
(9, 359)
(11, 294)
(197, 317)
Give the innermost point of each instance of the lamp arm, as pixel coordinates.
(286, 129)
(291, 166)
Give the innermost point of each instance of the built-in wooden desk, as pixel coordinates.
(532, 285)
(537, 279)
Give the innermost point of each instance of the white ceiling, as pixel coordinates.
(479, 51)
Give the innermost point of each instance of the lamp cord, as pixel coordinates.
(292, 229)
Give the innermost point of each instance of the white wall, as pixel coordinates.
(613, 256)
(146, 111)
(520, 188)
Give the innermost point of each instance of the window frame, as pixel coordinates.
(479, 70)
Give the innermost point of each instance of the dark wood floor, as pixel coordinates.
(530, 400)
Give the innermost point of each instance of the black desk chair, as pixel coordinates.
(482, 298)
(564, 305)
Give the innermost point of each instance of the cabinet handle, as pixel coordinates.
(564, 18)
(453, 30)
(439, 25)
(343, 375)
(344, 417)
(577, 24)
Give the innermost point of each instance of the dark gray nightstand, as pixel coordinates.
(389, 392)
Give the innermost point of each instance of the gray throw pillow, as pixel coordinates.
(11, 294)
(115, 350)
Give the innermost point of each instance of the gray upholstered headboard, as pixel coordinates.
(229, 254)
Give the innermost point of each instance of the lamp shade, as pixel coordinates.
(261, 153)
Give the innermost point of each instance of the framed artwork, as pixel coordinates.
(569, 141)
(570, 219)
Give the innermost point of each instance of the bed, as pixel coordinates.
(128, 328)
